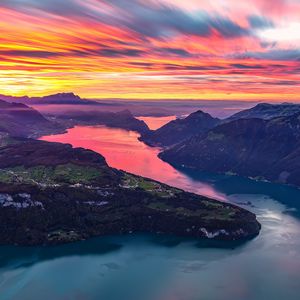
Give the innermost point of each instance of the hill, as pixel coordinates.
(179, 130)
(264, 149)
(20, 120)
(122, 119)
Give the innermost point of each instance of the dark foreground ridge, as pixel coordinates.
(51, 193)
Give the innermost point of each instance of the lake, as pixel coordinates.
(142, 267)
(157, 122)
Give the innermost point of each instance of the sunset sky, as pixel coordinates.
(163, 49)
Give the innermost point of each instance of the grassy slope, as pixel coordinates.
(71, 194)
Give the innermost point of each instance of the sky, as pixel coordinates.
(154, 49)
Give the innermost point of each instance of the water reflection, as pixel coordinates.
(123, 150)
(25, 257)
(144, 267)
(155, 123)
(20, 257)
(231, 185)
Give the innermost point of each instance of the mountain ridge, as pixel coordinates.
(58, 98)
(178, 130)
(267, 111)
(18, 119)
(247, 147)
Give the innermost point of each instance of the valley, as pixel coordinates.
(42, 189)
(52, 187)
(197, 265)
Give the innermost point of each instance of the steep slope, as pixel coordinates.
(181, 129)
(267, 111)
(51, 193)
(20, 120)
(267, 149)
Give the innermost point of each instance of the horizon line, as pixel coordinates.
(153, 99)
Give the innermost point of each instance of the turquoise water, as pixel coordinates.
(142, 267)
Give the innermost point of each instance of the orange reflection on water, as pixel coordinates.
(157, 122)
(124, 151)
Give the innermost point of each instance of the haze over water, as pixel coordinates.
(142, 267)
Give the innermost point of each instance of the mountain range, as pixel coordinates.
(258, 144)
(253, 147)
(122, 119)
(40, 181)
(51, 193)
(200, 122)
(59, 98)
(267, 111)
(19, 119)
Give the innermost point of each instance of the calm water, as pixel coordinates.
(141, 267)
(155, 123)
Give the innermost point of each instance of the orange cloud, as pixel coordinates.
(154, 49)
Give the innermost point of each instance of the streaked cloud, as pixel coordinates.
(260, 22)
(274, 54)
(151, 49)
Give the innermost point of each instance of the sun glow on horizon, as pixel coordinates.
(151, 50)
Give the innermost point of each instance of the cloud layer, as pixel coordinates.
(151, 49)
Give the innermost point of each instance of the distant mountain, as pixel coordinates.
(60, 98)
(266, 149)
(123, 119)
(181, 129)
(21, 120)
(267, 111)
(23, 99)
